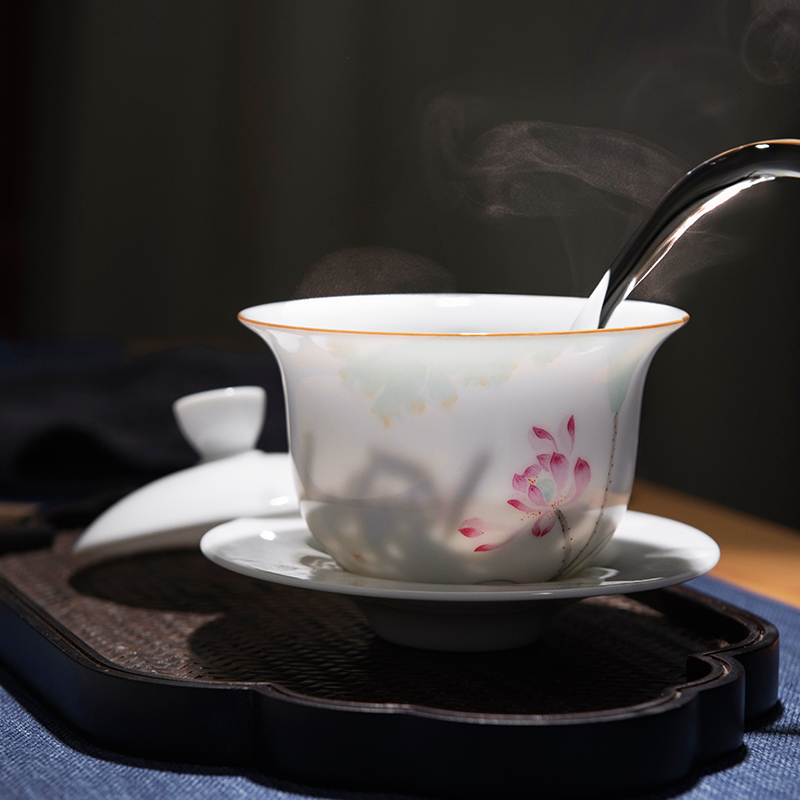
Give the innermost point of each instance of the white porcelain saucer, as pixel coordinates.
(646, 552)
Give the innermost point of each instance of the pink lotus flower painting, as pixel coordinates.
(552, 482)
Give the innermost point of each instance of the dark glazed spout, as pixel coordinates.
(704, 188)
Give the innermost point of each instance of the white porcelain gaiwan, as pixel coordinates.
(461, 438)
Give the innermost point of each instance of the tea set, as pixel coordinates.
(460, 465)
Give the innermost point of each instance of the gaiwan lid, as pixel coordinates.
(233, 479)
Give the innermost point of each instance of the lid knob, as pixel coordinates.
(222, 422)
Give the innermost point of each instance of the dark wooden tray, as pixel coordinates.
(169, 657)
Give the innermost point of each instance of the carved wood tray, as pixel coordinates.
(169, 657)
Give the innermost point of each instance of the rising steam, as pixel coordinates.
(373, 270)
(532, 169)
(771, 44)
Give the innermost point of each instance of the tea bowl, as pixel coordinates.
(457, 438)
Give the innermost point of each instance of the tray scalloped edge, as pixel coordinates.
(399, 747)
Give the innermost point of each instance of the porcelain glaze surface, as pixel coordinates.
(646, 553)
(175, 511)
(222, 422)
(233, 479)
(461, 438)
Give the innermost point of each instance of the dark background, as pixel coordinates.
(168, 163)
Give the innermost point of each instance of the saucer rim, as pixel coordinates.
(707, 556)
